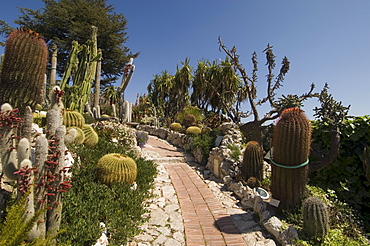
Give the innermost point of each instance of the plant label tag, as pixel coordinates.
(274, 202)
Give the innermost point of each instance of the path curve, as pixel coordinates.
(190, 210)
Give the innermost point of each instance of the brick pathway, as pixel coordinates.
(206, 222)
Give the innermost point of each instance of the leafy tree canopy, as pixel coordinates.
(63, 21)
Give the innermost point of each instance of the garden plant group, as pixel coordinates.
(65, 168)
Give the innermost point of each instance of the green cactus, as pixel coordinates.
(190, 120)
(39, 119)
(176, 127)
(23, 70)
(315, 217)
(366, 161)
(193, 130)
(291, 142)
(252, 165)
(80, 136)
(73, 118)
(91, 137)
(116, 168)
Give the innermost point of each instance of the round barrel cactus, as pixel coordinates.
(116, 168)
(91, 137)
(73, 118)
(176, 126)
(193, 130)
(315, 217)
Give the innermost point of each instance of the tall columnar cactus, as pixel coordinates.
(315, 217)
(366, 161)
(81, 65)
(252, 165)
(116, 168)
(291, 141)
(23, 71)
(43, 178)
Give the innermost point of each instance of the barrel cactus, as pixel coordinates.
(23, 69)
(315, 217)
(176, 126)
(193, 130)
(91, 137)
(252, 164)
(73, 118)
(190, 120)
(116, 168)
(80, 136)
(291, 141)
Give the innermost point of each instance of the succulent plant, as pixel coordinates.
(193, 130)
(116, 168)
(190, 120)
(39, 119)
(73, 118)
(23, 69)
(315, 217)
(176, 126)
(252, 165)
(291, 142)
(80, 135)
(91, 137)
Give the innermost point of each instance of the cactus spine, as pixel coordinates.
(291, 141)
(23, 70)
(73, 118)
(116, 168)
(91, 137)
(315, 217)
(252, 164)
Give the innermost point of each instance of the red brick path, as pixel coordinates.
(205, 220)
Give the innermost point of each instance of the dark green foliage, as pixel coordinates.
(205, 141)
(23, 70)
(88, 202)
(64, 21)
(366, 161)
(252, 164)
(315, 217)
(291, 141)
(346, 175)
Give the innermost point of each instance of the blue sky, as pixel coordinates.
(326, 41)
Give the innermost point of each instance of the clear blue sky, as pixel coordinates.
(326, 41)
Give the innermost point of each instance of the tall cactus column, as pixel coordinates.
(291, 141)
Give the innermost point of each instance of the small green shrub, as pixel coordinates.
(205, 141)
(235, 151)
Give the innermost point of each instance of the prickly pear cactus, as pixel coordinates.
(252, 165)
(22, 77)
(116, 168)
(291, 141)
(315, 217)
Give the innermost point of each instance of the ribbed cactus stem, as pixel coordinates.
(291, 141)
(23, 151)
(315, 217)
(366, 161)
(23, 70)
(115, 168)
(26, 126)
(252, 165)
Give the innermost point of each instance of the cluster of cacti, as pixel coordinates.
(43, 178)
(22, 77)
(91, 137)
(366, 161)
(116, 168)
(252, 165)
(193, 130)
(176, 126)
(190, 120)
(315, 217)
(79, 137)
(291, 142)
(39, 119)
(81, 64)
